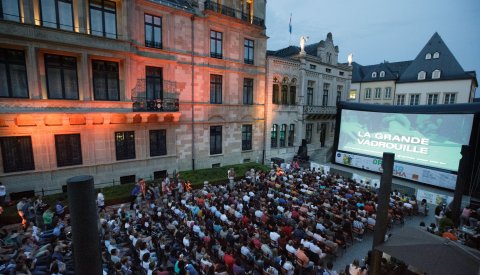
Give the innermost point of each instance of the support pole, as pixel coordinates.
(84, 220)
(382, 211)
(463, 175)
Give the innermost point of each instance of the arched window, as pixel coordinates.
(422, 75)
(382, 74)
(374, 74)
(436, 74)
(436, 55)
(428, 56)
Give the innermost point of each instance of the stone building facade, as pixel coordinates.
(303, 87)
(127, 89)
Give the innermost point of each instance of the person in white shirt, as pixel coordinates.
(289, 247)
(100, 201)
(274, 236)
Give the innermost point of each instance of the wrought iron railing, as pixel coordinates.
(313, 110)
(228, 11)
(142, 104)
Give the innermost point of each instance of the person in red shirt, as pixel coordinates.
(287, 230)
(228, 259)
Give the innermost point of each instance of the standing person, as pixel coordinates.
(3, 193)
(100, 201)
(134, 194)
(329, 270)
(231, 178)
(465, 216)
(20, 208)
(143, 187)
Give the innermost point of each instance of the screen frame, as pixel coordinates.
(466, 108)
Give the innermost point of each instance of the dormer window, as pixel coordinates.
(382, 74)
(436, 74)
(374, 75)
(428, 56)
(436, 55)
(422, 75)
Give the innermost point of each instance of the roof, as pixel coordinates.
(392, 71)
(294, 50)
(446, 63)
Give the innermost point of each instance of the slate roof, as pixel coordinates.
(392, 70)
(446, 63)
(294, 50)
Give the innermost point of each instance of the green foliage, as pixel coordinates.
(219, 175)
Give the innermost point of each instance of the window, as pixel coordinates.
(105, 80)
(275, 94)
(10, 10)
(436, 74)
(283, 133)
(339, 93)
(368, 93)
(62, 80)
(291, 134)
(329, 58)
(153, 31)
(341, 73)
(154, 82)
(352, 94)
(328, 70)
(57, 14)
(125, 145)
(374, 74)
(388, 92)
(400, 99)
(103, 19)
(246, 137)
(422, 75)
(449, 98)
(326, 86)
(293, 95)
(248, 54)
(310, 85)
(378, 93)
(215, 89)
(248, 91)
(428, 56)
(68, 149)
(382, 74)
(284, 94)
(313, 67)
(216, 44)
(432, 99)
(215, 140)
(158, 142)
(17, 154)
(13, 74)
(414, 99)
(273, 136)
(436, 55)
(308, 132)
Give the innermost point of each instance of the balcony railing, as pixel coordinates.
(228, 11)
(319, 110)
(142, 104)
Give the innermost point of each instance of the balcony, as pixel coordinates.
(319, 112)
(141, 104)
(228, 11)
(168, 101)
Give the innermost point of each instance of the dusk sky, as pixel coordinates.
(378, 30)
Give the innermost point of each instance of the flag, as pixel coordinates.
(290, 25)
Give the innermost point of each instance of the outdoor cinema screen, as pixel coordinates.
(432, 140)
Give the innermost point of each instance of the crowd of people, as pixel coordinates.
(285, 221)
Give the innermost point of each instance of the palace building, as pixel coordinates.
(128, 89)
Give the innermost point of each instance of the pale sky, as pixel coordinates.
(378, 30)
